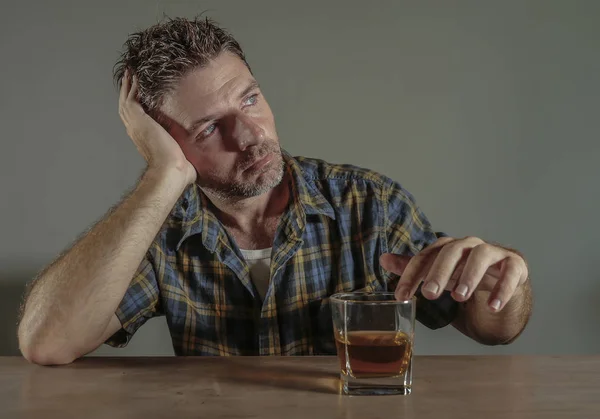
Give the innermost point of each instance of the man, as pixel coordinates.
(239, 244)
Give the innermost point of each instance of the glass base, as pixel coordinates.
(374, 386)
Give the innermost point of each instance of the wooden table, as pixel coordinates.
(443, 388)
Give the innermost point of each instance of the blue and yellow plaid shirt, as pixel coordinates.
(340, 220)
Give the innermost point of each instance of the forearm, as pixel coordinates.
(478, 322)
(70, 304)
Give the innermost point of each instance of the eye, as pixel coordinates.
(251, 100)
(206, 132)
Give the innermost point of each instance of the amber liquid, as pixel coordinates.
(374, 353)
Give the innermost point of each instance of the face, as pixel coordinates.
(223, 124)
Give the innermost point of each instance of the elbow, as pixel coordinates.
(44, 353)
(492, 341)
(496, 340)
(40, 355)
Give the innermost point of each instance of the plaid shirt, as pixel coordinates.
(340, 220)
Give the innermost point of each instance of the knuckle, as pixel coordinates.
(483, 249)
(446, 251)
(443, 240)
(506, 288)
(451, 248)
(519, 261)
(513, 267)
(468, 278)
(418, 261)
(435, 273)
(473, 240)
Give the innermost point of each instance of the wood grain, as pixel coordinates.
(450, 387)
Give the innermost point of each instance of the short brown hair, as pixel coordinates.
(162, 54)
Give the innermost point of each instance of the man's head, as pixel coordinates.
(194, 79)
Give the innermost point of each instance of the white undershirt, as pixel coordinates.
(259, 262)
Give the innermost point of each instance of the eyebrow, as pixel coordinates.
(194, 126)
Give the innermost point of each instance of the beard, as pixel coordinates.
(261, 181)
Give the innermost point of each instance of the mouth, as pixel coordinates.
(260, 163)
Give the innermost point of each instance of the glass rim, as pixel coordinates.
(339, 297)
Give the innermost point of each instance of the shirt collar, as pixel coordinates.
(198, 218)
(305, 190)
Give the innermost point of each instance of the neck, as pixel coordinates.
(246, 214)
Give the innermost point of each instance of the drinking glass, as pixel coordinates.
(374, 335)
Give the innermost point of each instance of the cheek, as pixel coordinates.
(210, 164)
(191, 152)
(263, 117)
(208, 159)
(268, 123)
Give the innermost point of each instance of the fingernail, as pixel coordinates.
(462, 290)
(495, 304)
(401, 294)
(431, 287)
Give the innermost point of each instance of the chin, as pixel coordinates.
(267, 181)
(264, 182)
(261, 184)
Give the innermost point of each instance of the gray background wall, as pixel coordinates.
(487, 111)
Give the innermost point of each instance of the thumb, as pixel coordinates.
(394, 263)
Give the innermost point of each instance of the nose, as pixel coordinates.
(246, 132)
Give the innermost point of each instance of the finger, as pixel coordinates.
(524, 269)
(418, 268)
(445, 265)
(124, 87)
(457, 272)
(423, 274)
(397, 263)
(413, 275)
(435, 247)
(394, 263)
(488, 282)
(505, 288)
(132, 96)
(481, 259)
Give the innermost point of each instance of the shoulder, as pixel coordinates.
(320, 170)
(184, 219)
(325, 175)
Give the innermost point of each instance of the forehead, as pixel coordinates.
(205, 90)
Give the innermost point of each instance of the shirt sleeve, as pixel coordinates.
(140, 303)
(408, 232)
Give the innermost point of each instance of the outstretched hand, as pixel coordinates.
(461, 266)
